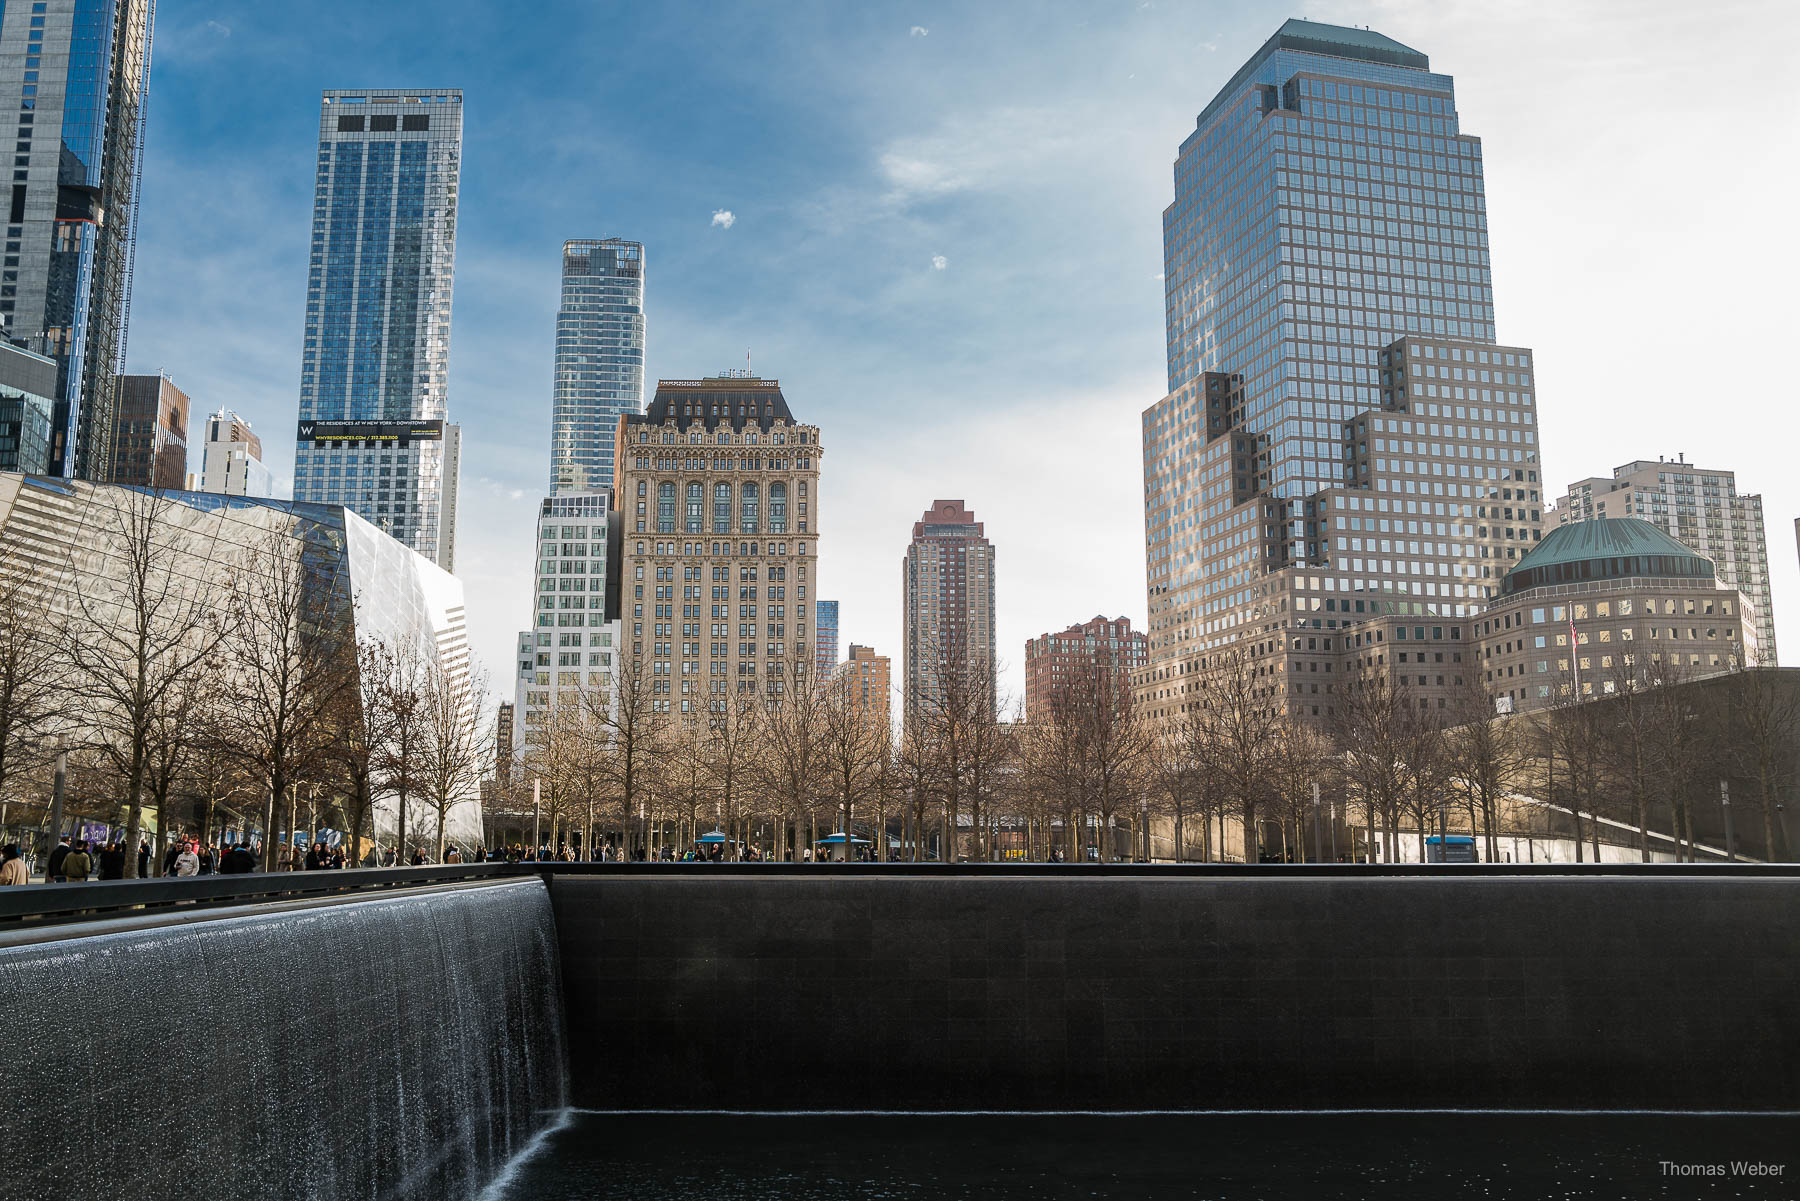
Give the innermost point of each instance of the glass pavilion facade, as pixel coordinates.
(376, 357)
(68, 535)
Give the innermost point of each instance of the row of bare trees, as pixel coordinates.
(191, 685)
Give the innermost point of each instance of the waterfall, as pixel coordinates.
(389, 1048)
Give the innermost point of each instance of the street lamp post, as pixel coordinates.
(1318, 834)
(1725, 806)
(537, 819)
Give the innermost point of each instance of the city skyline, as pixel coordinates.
(914, 191)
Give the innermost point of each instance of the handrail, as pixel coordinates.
(29, 905)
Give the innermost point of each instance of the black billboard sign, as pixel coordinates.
(402, 432)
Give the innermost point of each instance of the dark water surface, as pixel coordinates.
(1208, 1157)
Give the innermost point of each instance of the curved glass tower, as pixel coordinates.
(599, 359)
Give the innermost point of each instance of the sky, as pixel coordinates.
(939, 226)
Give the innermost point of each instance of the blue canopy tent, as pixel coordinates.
(714, 836)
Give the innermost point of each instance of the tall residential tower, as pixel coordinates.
(1343, 437)
(375, 367)
(948, 585)
(599, 359)
(74, 73)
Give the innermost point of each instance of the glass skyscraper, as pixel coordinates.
(1343, 437)
(599, 359)
(74, 73)
(375, 363)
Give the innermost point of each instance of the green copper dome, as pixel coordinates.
(1605, 548)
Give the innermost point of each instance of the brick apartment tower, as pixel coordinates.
(149, 444)
(1055, 661)
(868, 675)
(948, 581)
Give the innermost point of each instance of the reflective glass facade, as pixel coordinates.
(599, 359)
(73, 74)
(377, 341)
(1326, 204)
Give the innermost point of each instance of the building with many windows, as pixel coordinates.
(1344, 439)
(150, 432)
(718, 492)
(567, 657)
(27, 402)
(1699, 507)
(74, 78)
(1609, 604)
(825, 640)
(1056, 662)
(599, 359)
(230, 459)
(947, 584)
(375, 363)
(866, 675)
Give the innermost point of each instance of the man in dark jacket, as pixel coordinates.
(112, 861)
(58, 853)
(238, 861)
(143, 860)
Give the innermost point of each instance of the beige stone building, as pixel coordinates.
(1605, 605)
(947, 595)
(718, 487)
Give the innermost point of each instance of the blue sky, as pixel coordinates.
(945, 241)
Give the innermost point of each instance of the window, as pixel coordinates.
(721, 508)
(380, 124)
(665, 508)
(750, 508)
(696, 505)
(350, 124)
(414, 123)
(778, 508)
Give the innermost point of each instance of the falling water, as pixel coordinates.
(391, 1048)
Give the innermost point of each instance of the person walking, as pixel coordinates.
(143, 860)
(187, 863)
(207, 861)
(240, 860)
(78, 864)
(315, 857)
(12, 866)
(112, 861)
(53, 866)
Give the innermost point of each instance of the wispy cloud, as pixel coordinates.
(939, 262)
(724, 218)
(918, 31)
(220, 28)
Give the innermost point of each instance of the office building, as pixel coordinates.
(718, 488)
(65, 537)
(1344, 438)
(27, 403)
(566, 658)
(375, 362)
(150, 428)
(599, 359)
(1098, 656)
(503, 743)
(948, 601)
(825, 639)
(230, 459)
(1700, 508)
(1606, 604)
(74, 74)
(867, 677)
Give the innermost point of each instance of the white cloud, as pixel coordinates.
(724, 218)
(939, 262)
(220, 28)
(918, 31)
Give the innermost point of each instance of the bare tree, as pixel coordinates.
(1765, 720)
(636, 721)
(1486, 756)
(281, 654)
(733, 733)
(402, 713)
(1373, 731)
(135, 631)
(854, 746)
(454, 750)
(791, 765)
(34, 698)
(1238, 722)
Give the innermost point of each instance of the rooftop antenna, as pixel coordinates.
(746, 360)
